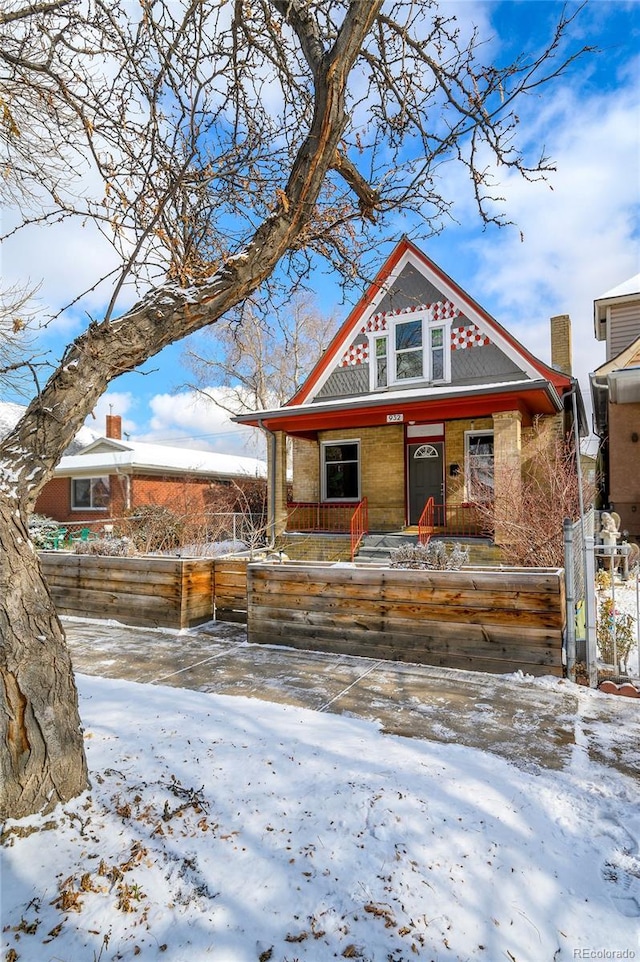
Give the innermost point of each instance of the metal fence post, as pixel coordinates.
(590, 610)
(569, 579)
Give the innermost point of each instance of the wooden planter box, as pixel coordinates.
(484, 619)
(147, 591)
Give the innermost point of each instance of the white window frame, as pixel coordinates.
(468, 492)
(323, 467)
(91, 480)
(373, 362)
(428, 325)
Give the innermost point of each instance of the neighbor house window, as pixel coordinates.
(341, 471)
(479, 465)
(90, 492)
(414, 350)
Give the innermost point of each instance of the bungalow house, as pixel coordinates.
(615, 388)
(110, 478)
(420, 395)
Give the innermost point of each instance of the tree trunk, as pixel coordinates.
(41, 752)
(43, 762)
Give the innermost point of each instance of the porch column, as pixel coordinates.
(277, 483)
(507, 470)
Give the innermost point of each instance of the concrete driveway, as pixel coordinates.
(532, 722)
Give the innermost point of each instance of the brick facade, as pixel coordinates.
(190, 499)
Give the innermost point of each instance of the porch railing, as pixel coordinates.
(425, 522)
(467, 520)
(318, 516)
(359, 526)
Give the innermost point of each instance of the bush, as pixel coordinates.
(615, 635)
(435, 555)
(115, 547)
(42, 529)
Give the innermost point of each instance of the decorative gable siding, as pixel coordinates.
(625, 326)
(409, 288)
(474, 359)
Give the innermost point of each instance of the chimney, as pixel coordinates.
(114, 426)
(561, 343)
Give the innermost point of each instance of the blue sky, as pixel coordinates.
(574, 238)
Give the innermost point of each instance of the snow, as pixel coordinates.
(236, 829)
(138, 455)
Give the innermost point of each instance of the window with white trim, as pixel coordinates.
(380, 371)
(90, 493)
(478, 468)
(341, 470)
(414, 349)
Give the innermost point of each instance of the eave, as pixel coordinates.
(305, 420)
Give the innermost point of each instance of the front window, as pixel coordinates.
(90, 493)
(479, 465)
(341, 471)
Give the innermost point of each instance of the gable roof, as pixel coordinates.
(113, 456)
(407, 254)
(630, 357)
(327, 399)
(627, 291)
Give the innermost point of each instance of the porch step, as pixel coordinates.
(378, 547)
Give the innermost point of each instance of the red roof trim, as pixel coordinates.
(445, 409)
(561, 382)
(328, 358)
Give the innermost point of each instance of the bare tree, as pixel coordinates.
(537, 498)
(210, 143)
(260, 360)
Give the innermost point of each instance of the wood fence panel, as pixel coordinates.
(230, 589)
(501, 620)
(146, 591)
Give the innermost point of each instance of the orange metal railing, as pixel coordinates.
(466, 520)
(350, 519)
(425, 522)
(318, 516)
(359, 526)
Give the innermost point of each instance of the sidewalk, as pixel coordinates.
(531, 722)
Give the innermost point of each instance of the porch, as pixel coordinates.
(341, 532)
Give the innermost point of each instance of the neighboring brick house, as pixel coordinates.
(110, 478)
(420, 394)
(615, 387)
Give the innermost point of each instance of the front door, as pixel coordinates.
(426, 477)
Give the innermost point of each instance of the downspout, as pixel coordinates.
(272, 491)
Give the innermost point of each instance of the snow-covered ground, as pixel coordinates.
(237, 830)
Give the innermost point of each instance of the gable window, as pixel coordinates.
(341, 471)
(380, 355)
(479, 465)
(408, 344)
(90, 493)
(436, 346)
(415, 349)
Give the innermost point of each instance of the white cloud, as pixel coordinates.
(188, 419)
(580, 237)
(113, 402)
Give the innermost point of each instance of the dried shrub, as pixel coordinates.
(435, 555)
